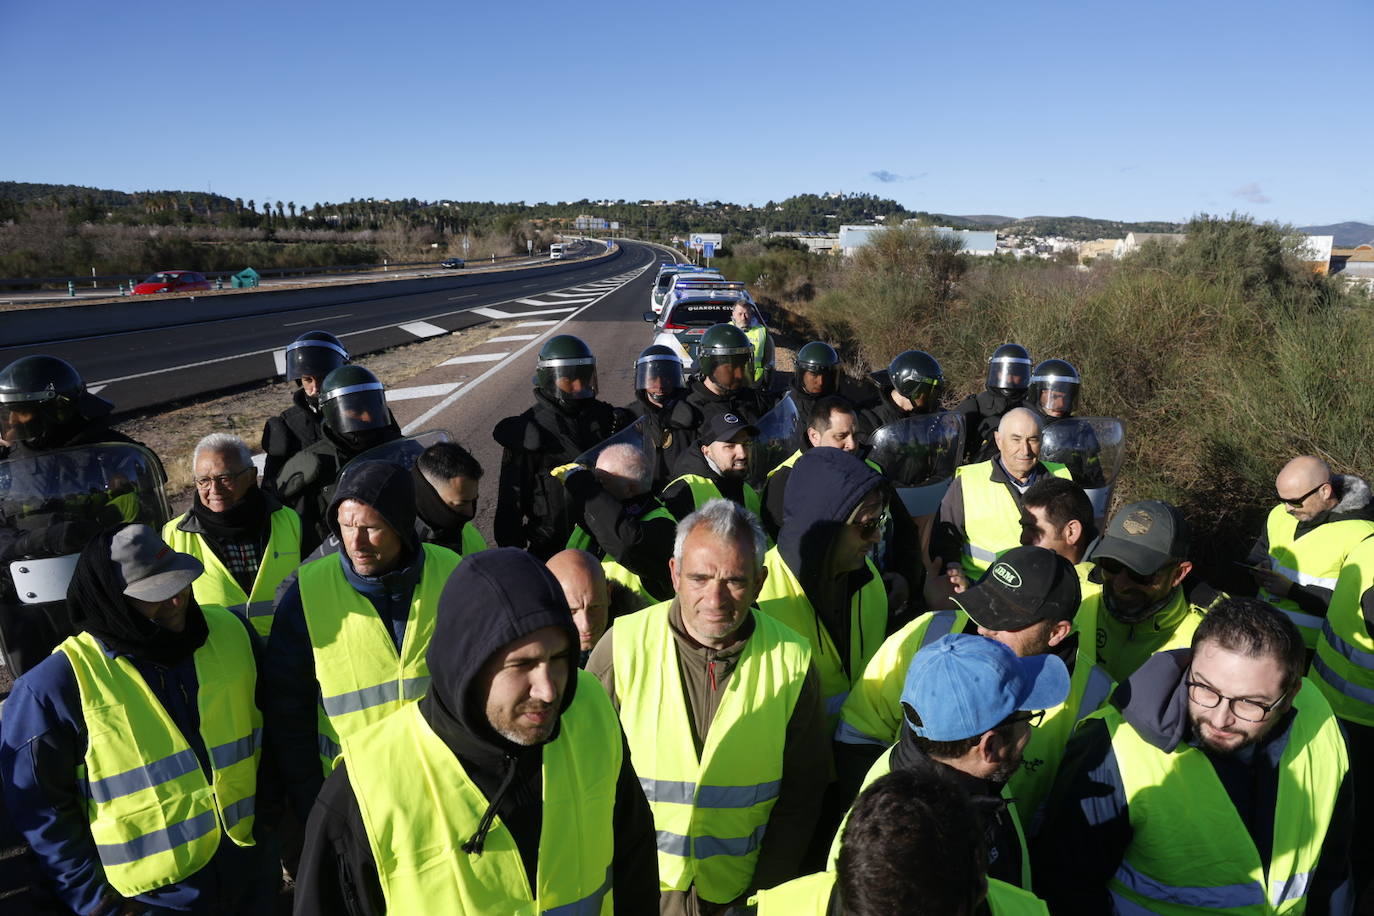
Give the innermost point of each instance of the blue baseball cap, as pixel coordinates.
(962, 685)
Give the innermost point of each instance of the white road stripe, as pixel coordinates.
(423, 329)
(456, 298)
(509, 337)
(474, 358)
(497, 313)
(535, 324)
(95, 389)
(279, 359)
(292, 324)
(575, 294)
(420, 391)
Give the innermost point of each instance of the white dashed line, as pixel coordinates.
(420, 391)
(474, 358)
(279, 360)
(509, 337)
(292, 324)
(423, 329)
(497, 313)
(535, 324)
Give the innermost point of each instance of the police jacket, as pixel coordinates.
(1087, 830)
(877, 413)
(749, 404)
(284, 435)
(531, 506)
(982, 414)
(338, 873)
(672, 429)
(623, 532)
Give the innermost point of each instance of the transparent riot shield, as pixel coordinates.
(780, 434)
(51, 505)
(919, 455)
(404, 451)
(1092, 448)
(636, 435)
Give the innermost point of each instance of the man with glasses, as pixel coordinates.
(969, 704)
(1216, 781)
(246, 539)
(1142, 609)
(1296, 558)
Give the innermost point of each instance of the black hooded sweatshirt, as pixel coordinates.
(494, 598)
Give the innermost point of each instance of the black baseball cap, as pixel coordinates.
(725, 427)
(1145, 536)
(1025, 586)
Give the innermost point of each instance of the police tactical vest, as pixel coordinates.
(218, 586)
(710, 815)
(154, 817)
(1343, 667)
(992, 518)
(1313, 559)
(783, 599)
(361, 677)
(1191, 853)
(416, 827)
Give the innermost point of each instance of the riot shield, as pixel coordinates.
(50, 506)
(1092, 448)
(636, 435)
(918, 455)
(404, 451)
(780, 434)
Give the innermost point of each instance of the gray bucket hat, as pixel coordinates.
(151, 570)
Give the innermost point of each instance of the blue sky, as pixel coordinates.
(1153, 110)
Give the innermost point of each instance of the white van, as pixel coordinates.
(556, 251)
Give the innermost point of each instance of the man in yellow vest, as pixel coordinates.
(910, 846)
(1143, 607)
(129, 757)
(1296, 558)
(742, 317)
(980, 514)
(351, 630)
(246, 539)
(715, 469)
(1216, 782)
(585, 587)
(446, 479)
(722, 709)
(523, 798)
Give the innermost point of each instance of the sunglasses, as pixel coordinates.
(1297, 502)
(1116, 567)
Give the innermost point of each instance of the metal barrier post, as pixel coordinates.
(71, 289)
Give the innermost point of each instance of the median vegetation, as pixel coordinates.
(1223, 354)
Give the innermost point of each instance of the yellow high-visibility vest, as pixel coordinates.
(710, 814)
(1124, 647)
(1191, 853)
(154, 817)
(416, 827)
(810, 896)
(757, 335)
(361, 676)
(992, 519)
(1343, 667)
(1315, 558)
(581, 539)
(704, 490)
(218, 586)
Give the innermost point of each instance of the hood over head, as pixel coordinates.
(384, 486)
(1154, 701)
(825, 487)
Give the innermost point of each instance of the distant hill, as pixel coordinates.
(980, 220)
(23, 192)
(1348, 235)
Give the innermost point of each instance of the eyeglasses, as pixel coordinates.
(1034, 718)
(873, 525)
(1297, 502)
(224, 480)
(1115, 567)
(1248, 710)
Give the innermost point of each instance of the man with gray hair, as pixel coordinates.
(246, 539)
(721, 707)
(621, 522)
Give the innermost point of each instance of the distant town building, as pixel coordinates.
(814, 242)
(590, 222)
(1097, 248)
(975, 241)
(1315, 252)
(1353, 262)
(1134, 240)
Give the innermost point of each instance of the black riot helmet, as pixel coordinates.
(820, 359)
(352, 400)
(566, 370)
(1009, 370)
(314, 353)
(726, 357)
(1054, 387)
(916, 376)
(658, 373)
(43, 400)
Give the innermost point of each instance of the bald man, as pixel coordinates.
(980, 516)
(584, 585)
(1320, 518)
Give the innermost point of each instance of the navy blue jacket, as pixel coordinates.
(43, 741)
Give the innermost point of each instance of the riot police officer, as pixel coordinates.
(1053, 391)
(816, 376)
(309, 358)
(1009, 370)
(566, 420)
(44, 405)
(355, 418)
(725, 360)
(911, 385)
(659, 393)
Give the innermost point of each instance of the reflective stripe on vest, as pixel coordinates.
(872, 714)
(361, 676)
(217, 585)
(1344, 664)
(1314, 559)
(704, 490)
(783, 599)
(154, 817)
(407, 820)
(992, 518)
(1190, 852)
(710, 814)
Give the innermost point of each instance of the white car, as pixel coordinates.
(673, 279)
(687, 318)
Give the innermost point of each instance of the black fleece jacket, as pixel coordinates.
(494, 598)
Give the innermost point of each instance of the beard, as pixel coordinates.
(1212, 746)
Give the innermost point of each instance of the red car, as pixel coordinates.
(172, 281)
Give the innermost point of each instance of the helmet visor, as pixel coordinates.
(923, 393)
(316, 358)
(1009, 372)
(1055, 394)
(572, 379)
(658, 376)
(355, 408)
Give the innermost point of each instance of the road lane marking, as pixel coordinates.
(95, 389)
(292, 324)
(509, 337)
(575, 294)
(420, 391)
(423, 329)
(497, 313)
(475, 358)
(456, 298)
(279, 360)
(535, 324)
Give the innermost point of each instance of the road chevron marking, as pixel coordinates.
(422, 329)
(420, 391)
(475, 358)
(488, 312)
